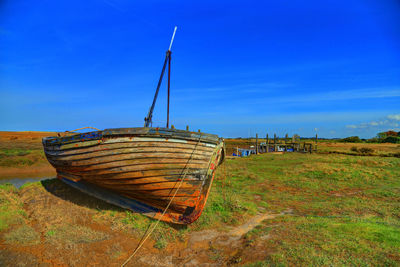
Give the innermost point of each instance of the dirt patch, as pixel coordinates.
(253, 222)
(346, 193)
(11, 258)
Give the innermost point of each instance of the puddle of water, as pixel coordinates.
(18, 182)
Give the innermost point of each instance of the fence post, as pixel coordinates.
(267, 144)
(274, 142)
(316, 142)
(256, 143)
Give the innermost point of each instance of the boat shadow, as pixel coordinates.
(63, 191)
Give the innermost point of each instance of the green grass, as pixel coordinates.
(334, 241)
(345, 209)
(20, 157)
(11, 208)
(14, 152)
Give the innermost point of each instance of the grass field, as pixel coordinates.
(326, 209)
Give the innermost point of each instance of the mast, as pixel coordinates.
(148, 120)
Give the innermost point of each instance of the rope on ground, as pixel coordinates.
(223, 181)
(148, 233)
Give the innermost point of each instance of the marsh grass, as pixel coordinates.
(24, 235)
(11, 208)
(21, 149)
(20, 157)
(74, 234)
(384, 149)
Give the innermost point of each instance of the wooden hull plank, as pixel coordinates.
(141, 168)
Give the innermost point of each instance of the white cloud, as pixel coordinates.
(351, 126)
(389, 121)
(395, 117)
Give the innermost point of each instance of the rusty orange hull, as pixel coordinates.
(142, 167)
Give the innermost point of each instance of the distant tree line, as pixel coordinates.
(383, 137)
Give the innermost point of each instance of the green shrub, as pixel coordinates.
(392, 139)
(351, 139)
(366, 150)
(374, 140)
(354, 149)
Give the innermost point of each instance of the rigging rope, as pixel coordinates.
(148, 233)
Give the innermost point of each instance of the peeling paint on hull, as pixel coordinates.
(142, 167)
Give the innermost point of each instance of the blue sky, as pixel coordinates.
(238, 68)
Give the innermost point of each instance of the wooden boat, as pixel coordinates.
(140, 168)
(163, 173)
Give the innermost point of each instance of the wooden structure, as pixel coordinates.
(285, 145)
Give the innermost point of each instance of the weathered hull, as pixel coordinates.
(141, 166)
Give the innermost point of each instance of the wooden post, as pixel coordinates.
(256, 144)
(274, 142)
(237, 151)
(310, 148)
(286, 141)
(316, 142)
(267, 144)
(187, 127)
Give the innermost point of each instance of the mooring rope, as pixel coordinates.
(63, 134)
(147, 234)
(82, 129)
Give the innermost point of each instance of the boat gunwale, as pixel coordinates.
(137, 132)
